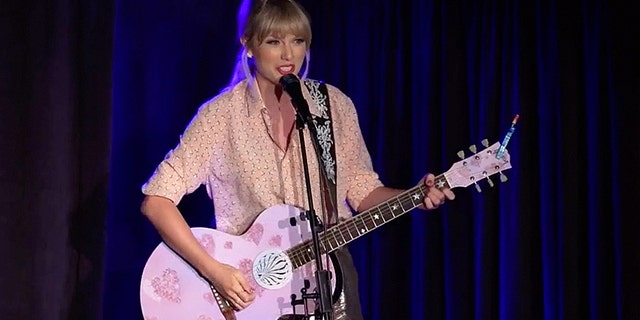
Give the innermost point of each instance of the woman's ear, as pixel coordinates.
(243, 42)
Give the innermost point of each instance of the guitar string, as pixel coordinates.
(304, 251)
(367, 218)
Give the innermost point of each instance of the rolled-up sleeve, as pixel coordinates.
(185, 167)
(353, 157)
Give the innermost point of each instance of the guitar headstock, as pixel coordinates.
(479, 166)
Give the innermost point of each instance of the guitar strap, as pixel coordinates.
(327, 151)
(348, 305)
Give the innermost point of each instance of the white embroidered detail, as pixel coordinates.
(323, 128)
(317, 97)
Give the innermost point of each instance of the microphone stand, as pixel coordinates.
(323, 284)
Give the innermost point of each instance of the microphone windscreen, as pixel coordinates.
(289, 80)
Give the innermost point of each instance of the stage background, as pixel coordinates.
(94, 93)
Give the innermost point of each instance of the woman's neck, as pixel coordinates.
(280, 111)
(269, 90)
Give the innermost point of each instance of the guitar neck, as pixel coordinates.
(363, 223)
(492, 160)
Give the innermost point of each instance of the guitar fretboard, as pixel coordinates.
(363, 223)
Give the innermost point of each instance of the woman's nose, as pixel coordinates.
(287, 52)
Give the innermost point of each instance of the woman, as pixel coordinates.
(240, 145)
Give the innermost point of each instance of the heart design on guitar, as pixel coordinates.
(280, 267)
(167, 286)
(254, 233)
(208, 243)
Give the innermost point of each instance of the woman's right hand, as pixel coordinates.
(232, 285)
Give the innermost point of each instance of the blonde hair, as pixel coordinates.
(260, 18)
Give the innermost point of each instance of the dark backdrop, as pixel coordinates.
(94, 93)
(55, 121)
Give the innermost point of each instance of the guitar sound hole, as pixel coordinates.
(272, 269)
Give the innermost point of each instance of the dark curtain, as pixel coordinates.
(558, 240)
(55, 98)
(429, 78)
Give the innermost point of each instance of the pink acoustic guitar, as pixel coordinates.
(276, 251)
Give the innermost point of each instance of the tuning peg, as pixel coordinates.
(485, 143)
(477, 187)
(461, 154)
(503, 178)
(486, 176)
(490, 182)
(473, 148)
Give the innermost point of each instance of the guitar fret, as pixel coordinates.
(349, 226)
(441, 182)
(339, 241)
(363, 220)
(342, 234)
(301, 255)
(376, 217)
(335, 239)
(393, 208)
(308, 253)
(361, 229)
(402, 204)
(390, 210)
(294, 256)
(417, 196)
(406, 203)
(382, 215)
(340, 230)
(327, 240)
(323, 247)
(323, 241)
(369, 222)
(354, 227)
(386, 213)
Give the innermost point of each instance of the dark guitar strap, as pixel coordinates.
(327, 151)
(348, 302)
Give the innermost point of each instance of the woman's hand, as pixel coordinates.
(435, 197)
(232, 285)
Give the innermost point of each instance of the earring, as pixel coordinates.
(249, 55)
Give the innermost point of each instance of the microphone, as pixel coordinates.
(291, 84)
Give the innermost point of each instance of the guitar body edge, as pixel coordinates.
(171, 289)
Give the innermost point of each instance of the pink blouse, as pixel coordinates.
(229, 147)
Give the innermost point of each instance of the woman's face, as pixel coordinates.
(277, 56)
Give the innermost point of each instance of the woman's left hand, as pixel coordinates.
(435, 197)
